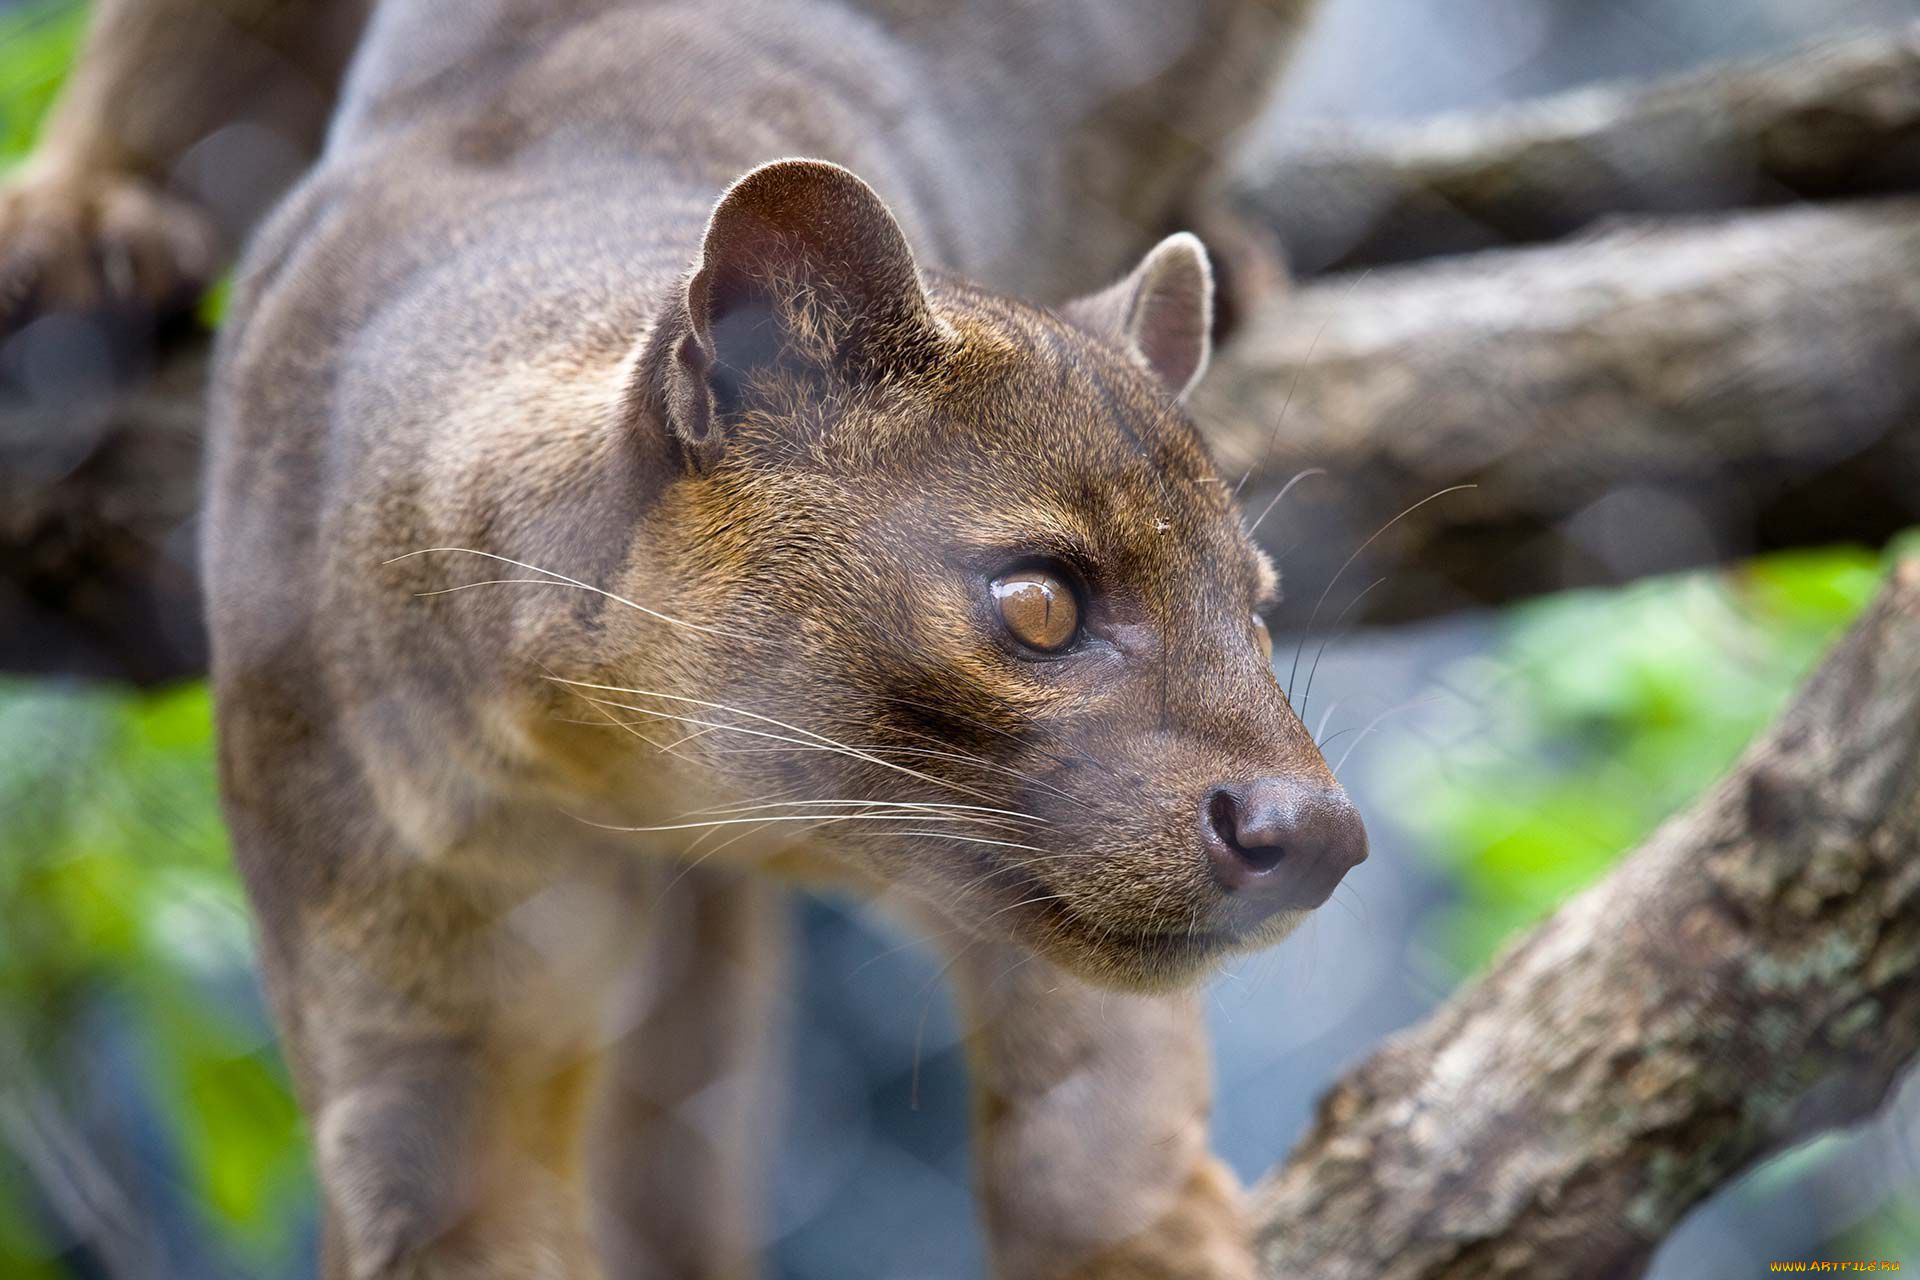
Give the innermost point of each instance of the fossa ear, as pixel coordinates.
(803, 273)
(1162, 312)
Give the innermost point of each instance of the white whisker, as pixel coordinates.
(1375, 723)
(819, 738)
(561, 578)
(888, 804)
(1285, 489)
(908, 816)
(945, 835)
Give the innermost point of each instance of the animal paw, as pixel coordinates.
(83, 241)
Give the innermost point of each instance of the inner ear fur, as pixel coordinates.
(1162, 312)
(802, 269)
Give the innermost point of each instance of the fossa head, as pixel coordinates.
(991, 620)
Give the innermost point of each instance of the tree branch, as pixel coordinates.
(99, 490)
(1664, 395)
(1838, 119)
(1659, 396)
(1752, 969)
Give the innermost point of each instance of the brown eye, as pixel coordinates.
(1263, 638)
(1038, 609)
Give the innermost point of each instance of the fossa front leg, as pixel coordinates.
(1090, 1128)
(444, 1033)
(452, 1158)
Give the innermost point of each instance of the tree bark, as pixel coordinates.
(1749, 975)
(1836, 119)
(1665, 395)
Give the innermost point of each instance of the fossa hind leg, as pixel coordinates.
(684, 1125)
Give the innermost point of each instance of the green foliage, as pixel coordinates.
(37, 41)
(1891, 1235)
(118, 895)
(1600, 714)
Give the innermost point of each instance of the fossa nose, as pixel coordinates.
(1274, 843)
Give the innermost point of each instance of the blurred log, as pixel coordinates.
(1838, 119)
(1749, 976)
(1658, 397)
(1661, 396)
(99, 487)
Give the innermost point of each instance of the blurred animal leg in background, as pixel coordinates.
(182, 122)
(685, 1124)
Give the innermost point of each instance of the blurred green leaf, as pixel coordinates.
(115, 881)
(1602, 713)
(37, 43)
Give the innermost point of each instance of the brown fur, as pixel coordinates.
(549, 514)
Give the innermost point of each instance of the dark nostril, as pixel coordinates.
(1246, 822)
(1271, 820)
(1223, 812)
(1223, 821)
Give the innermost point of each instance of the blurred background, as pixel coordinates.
(1502, 760)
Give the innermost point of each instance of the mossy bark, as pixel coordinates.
(1749, 975)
